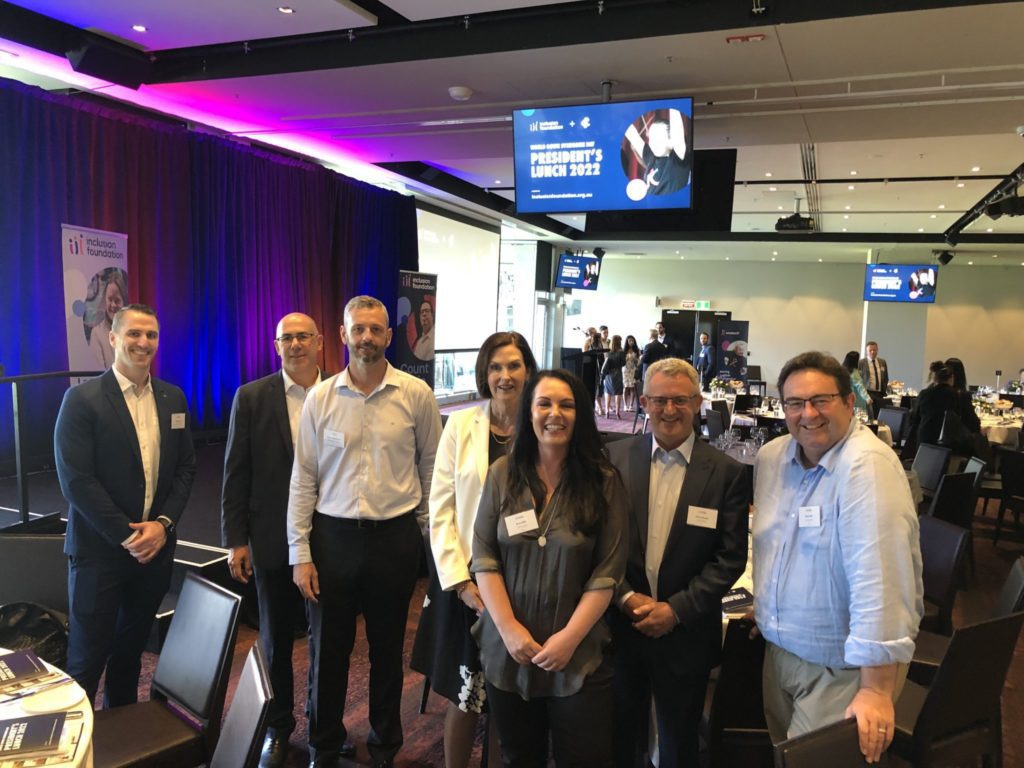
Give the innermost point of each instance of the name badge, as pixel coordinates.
(810, 517)
(177, 421)
(521, 522)
(335, 438)
(702, 517)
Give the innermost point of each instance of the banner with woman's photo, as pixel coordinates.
(95, 287)
(414, 324)
(732, 350)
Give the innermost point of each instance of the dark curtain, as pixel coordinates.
(223, 239)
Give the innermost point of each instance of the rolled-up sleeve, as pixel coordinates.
(610, 549)
(486, 553)
(880, 544)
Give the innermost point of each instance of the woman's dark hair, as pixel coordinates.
(941, 373)
(821, 362)
(586, 467)
(851, 361)
(959, 374)
(631, 344)
(494, 342)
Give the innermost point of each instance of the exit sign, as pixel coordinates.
(702, 305)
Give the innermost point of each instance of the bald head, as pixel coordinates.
(298, 342)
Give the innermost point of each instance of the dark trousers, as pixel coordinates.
(678, 703)
(281, 608)
(113, 601)
(371, 570)
(580, 726)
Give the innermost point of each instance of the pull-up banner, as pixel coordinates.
(732, 349)
(414, 324)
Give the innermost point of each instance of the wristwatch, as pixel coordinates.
(169, 525)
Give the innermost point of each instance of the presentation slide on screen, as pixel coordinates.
(900, 282)
(578, 272)
(604, 157)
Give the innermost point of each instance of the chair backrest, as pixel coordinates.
(34, 569)
(736, 705)
(1011, 597)
(753, 372)
(942, 549)
(195, 660)
(757, 386)
(716, 426)
(723, 408)
(930, 464)
(954, 499)
(975, 466)
(908, 402)
(1011, 470)
(896, 419)
(970, 679)
(745, 403)
(836, 745)
(51, 523)
(241, 737)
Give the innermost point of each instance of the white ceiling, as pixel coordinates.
(922, 94)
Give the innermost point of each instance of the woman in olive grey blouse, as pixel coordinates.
(548, 550)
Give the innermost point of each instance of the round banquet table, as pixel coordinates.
(1000, 431)
(65, 697)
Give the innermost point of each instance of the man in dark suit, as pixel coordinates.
(705, 360)
(688, 545)
(125, 462)
(873, 369)
(653, 351)
(254, 507)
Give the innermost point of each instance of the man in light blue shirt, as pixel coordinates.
(837, 563)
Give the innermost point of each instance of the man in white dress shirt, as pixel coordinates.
(363, 461)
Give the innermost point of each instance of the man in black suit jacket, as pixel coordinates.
(125, 462)
(254, 506)
(653, 351)
(688, 545)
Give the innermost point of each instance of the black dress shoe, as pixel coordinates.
(275, 751)
(389, 763)
(348, 749)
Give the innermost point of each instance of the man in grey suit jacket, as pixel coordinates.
(873, 369)
(688, 545)
(125, 462)
(254, 506)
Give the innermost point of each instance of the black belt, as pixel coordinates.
(365, 522)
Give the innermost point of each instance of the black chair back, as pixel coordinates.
(930, 465)
(976, 467)
(195, 660)
(34, 569)
(757, 386)
(836, 745)
(953, 499)
(942, 551)
(1011, 469)
(896, 419)
(723, 408)
(1011, 597)
(753, 372)
(746, 403)
(241, 738)
(908, 402)
(52, 523)
(716, 427)
(736, 723)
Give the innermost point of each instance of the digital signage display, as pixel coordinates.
(578, 272)
(618, 156)
(909, 283)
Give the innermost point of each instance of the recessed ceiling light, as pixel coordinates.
(995, 255)
(768, 174)
(846, 215)
(844, 229)
(819, 261)
(775, 253)
(960, 185)
(847, 207)
(779, 208)
(773, 189)
(920, 229)
(970, 263)
(285, 9)
(853, 173)
(682, 258)
(989, 229)
(942, 206)
(726, 258)
(851, 187)
(497, 181)
(677, 253)
(773, 259)
(139, 27)
(932, 216)
(975, 169)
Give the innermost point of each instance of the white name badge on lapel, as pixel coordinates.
(177, 421)
(521, 522)
(702, 517)
(810, 517)
(335, 438)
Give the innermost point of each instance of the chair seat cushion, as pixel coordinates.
(145, 734)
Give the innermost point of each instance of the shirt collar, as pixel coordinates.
(125, 383)
(289, 382)
(391, 379)
(684, 449)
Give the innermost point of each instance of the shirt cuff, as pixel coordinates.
(299, 554)
(625, 597)
(877, 653)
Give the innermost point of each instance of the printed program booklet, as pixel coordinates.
(22, 737)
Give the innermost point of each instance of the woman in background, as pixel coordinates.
(860, 392)
(548, 551)
(629, 371)
(473, 439)
(113, 295)
(612, 379)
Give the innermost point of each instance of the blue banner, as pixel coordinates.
(732, 349)
(414, 324)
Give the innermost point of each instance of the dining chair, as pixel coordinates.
(1011, 464)
(716, 427)
(954, 502)
(190, 682)
(930, 464)
(959, 717)
(754, 372)
(241, 736)
(836, 745)
(757, 386)
(34, 569)
(896, 419)
(942, 553)
(723, 408)
(744, 403)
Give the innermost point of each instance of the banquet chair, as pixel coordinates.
(34, 569)
(190, 682)
(942, 553)
(954, 503)
(757, 386)
(754, 372)
(1012, 471)
(836, 745)
(241, 736)
(930, 464)
(716, 427)
(991, 480)
(929, 648)
(896, 419)
(958, 717)
(745, 403)
(723, 408)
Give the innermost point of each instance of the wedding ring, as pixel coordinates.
(882, 729)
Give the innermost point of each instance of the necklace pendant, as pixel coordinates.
(542, 541)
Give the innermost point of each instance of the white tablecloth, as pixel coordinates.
(1001, 431)
(67, 697)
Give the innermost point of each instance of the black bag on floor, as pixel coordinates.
(28, 625)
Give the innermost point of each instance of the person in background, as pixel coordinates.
(611, 377)
(837, 563)
(873, 369)
(862, 399)
(654, 351)
(472, 440)
(629, 373)
(423, 348)
(114, 295)
(934, 401)
(549, 548)
(125, 462)
(254, 507)
(705, 361)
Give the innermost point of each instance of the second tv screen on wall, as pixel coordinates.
(618, 156)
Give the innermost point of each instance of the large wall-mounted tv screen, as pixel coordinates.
(617, 156)
(578, 272)
(910, 283)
